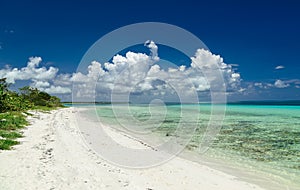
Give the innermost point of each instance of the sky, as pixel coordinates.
(254, 43)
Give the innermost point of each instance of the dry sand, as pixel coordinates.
(53, 155)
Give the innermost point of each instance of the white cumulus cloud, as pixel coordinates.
(40, 84)
(281, 84)
(40, 77)
(31, 72)
(279, 67)
(139, 73)
(57, 90)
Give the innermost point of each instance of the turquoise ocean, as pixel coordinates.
(262, 139)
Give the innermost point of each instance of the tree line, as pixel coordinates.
(27, 98)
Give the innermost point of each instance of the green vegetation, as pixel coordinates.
(13, 107)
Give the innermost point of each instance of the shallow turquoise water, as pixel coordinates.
(264, 137)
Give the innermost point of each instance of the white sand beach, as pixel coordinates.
(53, 155)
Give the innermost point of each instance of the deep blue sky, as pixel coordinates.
(256, 35)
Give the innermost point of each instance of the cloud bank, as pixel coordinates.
(139, 74)
(278, 83)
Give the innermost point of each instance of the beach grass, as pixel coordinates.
(46, 109)
(10, 124)
(12, 121)
(6, 144)
(10, 134)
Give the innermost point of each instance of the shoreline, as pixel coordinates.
(262, 177)
(52, 155)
